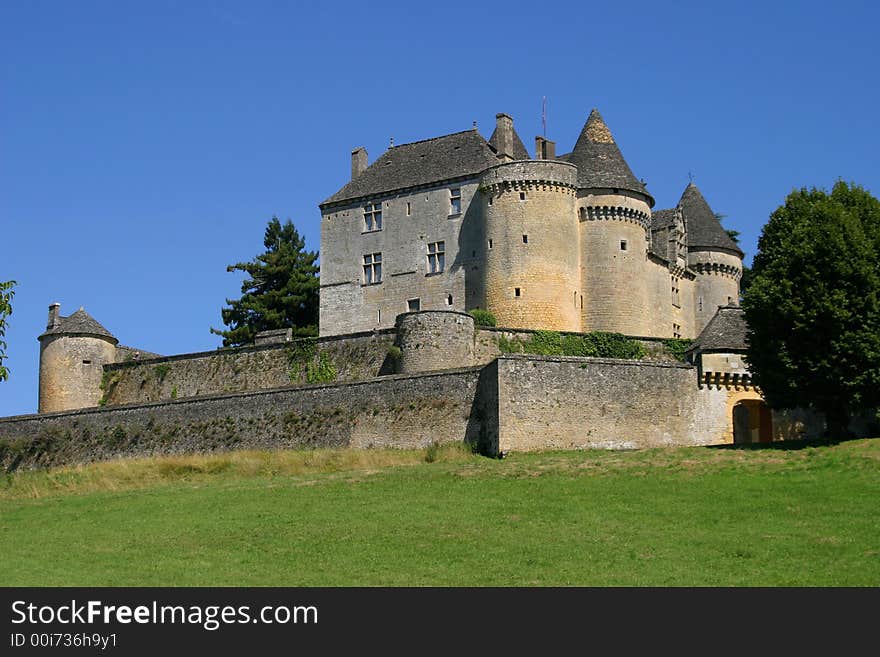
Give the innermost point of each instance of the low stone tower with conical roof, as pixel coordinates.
(614, 212)
(73, 352)
(712, 254)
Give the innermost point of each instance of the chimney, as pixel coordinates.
(54, 316)
(504, 137)
(545, 149)
(358, 161)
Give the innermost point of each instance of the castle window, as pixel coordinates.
(700, 303)
(582, 302)
(676, 300)
(525, 239)
(676, 330)
(379, 316)
(87, 362)
(522, 196)
(490, 200)
(455, 200)
(436, 257)
(623, 245)
(413, 305)
(517, 292)
(448, 299)
(372, 268)
(372, 217)
(490, 244)
(408, 209)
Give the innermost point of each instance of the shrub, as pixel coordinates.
(482, 317)
(676, 347)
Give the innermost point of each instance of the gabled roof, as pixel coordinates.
(703, 228)
(79, 323)
(726, 331)
(458, 155)
(599, 160)
(519, 149)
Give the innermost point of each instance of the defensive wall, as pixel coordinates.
(355, 357)
(515, 403)
(390, 411)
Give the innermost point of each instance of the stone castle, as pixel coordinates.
(565, 243)
(429, 231)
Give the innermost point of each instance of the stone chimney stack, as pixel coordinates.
(358, 161)
(545, 149)
(504, 137)
(54, 315)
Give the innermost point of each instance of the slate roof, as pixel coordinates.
(519, 149)
(726, 331)
(79, 323)
(703, 227)
(599, 161)
(662, 218)
(458, 155)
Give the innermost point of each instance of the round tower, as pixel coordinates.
(73, 352)
(434, 340)
(614, 211)
(531, 278)
(713, 254)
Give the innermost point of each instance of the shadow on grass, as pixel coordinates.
(786, 445)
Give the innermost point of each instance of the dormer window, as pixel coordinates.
(372, 217)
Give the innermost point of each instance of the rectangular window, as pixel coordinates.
(490, 244)
(408, 209)
(676, 301)
(436, 257)
(517, 292)
(623, 245)
(372, 217)
(372, 268)
(455, 200)
(676, 331)
(413, 305)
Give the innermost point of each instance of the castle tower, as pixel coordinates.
(712, 254)
(73, 351)
(531, 275)
(614, 212)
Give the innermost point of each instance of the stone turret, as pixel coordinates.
(614, 211)
(530, 275)
(73, 352)
(712, 254)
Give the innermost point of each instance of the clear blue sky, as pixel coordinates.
(144, 145)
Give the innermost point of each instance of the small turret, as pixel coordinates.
(73, 352)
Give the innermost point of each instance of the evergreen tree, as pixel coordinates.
(6, 294)
(281, 290)
(813, 304)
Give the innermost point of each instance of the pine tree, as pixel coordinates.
(281, 290)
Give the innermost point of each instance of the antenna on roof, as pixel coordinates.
(475, 125)
(392, 143)
(544, 114)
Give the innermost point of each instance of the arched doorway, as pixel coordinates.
(752, 422)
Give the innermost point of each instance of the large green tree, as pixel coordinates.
(813, 305)
(281, 290)
(6, 294)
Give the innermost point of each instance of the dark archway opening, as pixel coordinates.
(752, 422)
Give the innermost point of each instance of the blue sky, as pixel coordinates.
(145, 145)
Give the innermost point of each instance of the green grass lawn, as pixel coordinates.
(692, 516)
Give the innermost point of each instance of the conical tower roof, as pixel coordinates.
(703, 228)
(79, 323)
(600, 162)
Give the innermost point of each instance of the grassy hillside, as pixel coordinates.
(693, 516)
